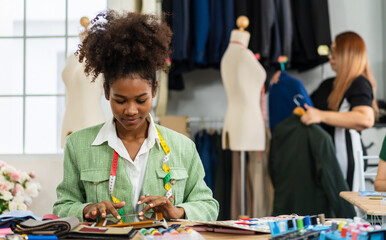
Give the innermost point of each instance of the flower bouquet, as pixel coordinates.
(17, 188)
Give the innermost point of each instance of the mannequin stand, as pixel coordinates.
(242, 190)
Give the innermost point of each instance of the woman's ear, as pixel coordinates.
(107, 92)
(154, 90)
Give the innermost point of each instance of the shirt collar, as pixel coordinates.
(108, 133)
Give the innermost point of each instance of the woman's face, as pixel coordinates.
(130, 100)
(331, 57)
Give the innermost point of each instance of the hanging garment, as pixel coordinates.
(203, 143)
(311, 29)
(284, 17)
(305, 172)
(215, 32)
(281, 98)
(228, 24)
(347, 141)
(222, 185)
(201, 25)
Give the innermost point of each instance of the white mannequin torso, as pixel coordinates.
(243, 78)
(83, 98)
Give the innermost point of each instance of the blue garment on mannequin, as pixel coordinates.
(281, 98)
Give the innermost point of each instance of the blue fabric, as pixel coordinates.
(200, 30)
(215, 32)
(180, 29)
(12, 218)
(16, 214)
(202, 140)
(229, 24)
(213, 157)
(366, 193)
(281, 98)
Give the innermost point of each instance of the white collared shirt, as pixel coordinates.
(137, 168)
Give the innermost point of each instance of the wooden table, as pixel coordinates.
(213, 235)
(370, 205)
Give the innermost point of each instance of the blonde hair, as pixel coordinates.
(351, 62)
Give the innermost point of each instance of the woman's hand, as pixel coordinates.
(163, 205)
(275, 77)
(312, 115)
(92, 211)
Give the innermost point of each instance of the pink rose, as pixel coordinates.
(6, 186)
(15, 176)
(18, 190)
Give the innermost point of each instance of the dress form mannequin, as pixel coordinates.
(119, 5)
(83, 97)
(149, 6)
(243, 78)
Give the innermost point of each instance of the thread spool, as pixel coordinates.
(341, 224)
(314, 220)
(282, 227)
(354, 234)
(306, 221)
(322, 218)
(343, 232)
(300, 223)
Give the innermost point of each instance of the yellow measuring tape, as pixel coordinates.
(165, 147)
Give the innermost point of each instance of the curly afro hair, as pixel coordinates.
(125, 45)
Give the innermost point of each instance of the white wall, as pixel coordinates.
(204, 94)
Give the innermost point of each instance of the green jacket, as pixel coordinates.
(87, 171)
(305, 172)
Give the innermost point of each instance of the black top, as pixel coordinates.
(360, 93)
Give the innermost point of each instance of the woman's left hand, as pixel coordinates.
(312, 115)
(163, 205)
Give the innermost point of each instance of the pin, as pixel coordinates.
(173, 181)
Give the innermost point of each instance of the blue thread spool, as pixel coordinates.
(162, 230)
(306, 221)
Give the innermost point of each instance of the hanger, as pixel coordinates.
(298, 110)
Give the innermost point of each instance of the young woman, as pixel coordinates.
(130, 162)
(345, 104)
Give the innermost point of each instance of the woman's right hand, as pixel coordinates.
(275, 77)
(94, 210)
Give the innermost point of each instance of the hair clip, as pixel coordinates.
(168, 62)
(97, 17)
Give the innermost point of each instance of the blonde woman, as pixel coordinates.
(345, 105)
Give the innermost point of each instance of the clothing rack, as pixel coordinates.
(199, 119)
(205, 119)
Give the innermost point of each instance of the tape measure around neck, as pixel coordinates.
(114, 167)
(113, 173)
(165, 147)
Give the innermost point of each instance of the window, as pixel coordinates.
(36, 37)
